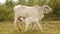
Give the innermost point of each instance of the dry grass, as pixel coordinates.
(49, 27)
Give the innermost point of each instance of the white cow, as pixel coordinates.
(26, 13)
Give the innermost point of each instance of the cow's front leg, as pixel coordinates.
(39, 25)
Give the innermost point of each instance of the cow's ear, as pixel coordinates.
(46, 6)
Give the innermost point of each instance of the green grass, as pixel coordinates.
(49, 27)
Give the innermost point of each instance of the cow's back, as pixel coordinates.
(26, 11)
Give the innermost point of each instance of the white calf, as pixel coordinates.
(32, 19)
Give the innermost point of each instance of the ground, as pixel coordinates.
(49, 27)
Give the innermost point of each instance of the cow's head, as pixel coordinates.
(47, 9)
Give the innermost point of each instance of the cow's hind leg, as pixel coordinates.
(16, 24)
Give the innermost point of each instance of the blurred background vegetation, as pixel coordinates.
(7, 13)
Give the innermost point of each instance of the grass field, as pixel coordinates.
(49, 27)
